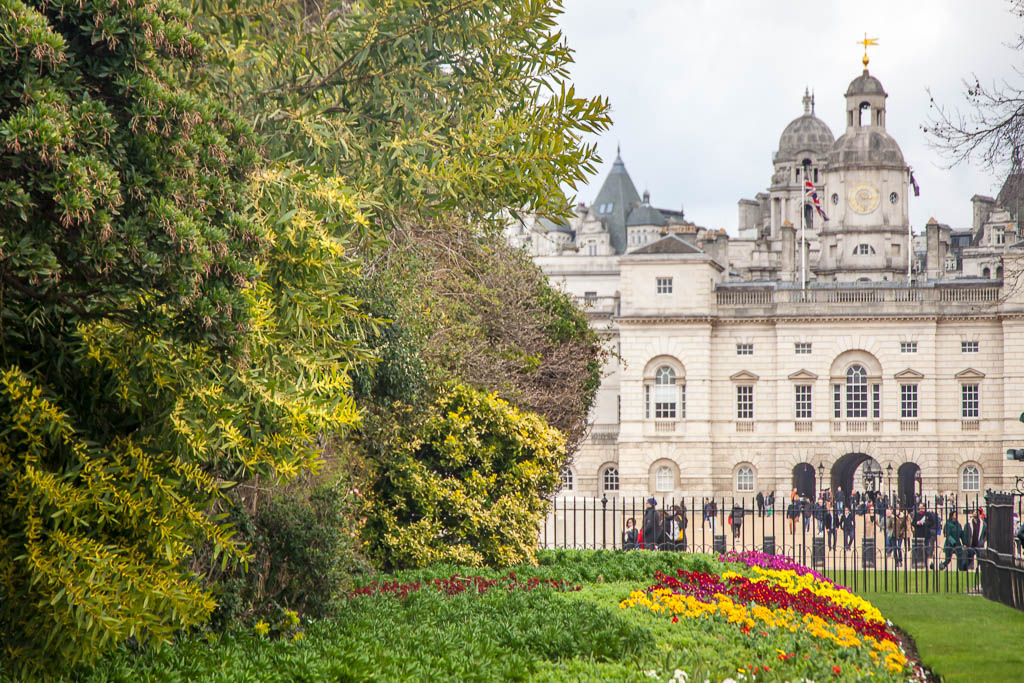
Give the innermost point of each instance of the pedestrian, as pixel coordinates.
(736, 520)
(975, 535)
(714, 515)
(630, 537)
(652, 525)
(760, 504)
(926, 528)
(793, 513)
(676, 529)
(806, 509)
(954, 543)
(899, 530)
(849, 528)
(770, 502)
(829, 521)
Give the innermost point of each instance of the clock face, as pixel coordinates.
(863, 198)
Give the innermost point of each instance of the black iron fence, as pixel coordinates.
(1002, 569)
(862, 542)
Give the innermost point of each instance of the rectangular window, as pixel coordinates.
(908, 347)
(837, 404)
(665, 400)
(876, 401)
(744, 349)
(803, 401)
(745, 402)
(908, 401)
(647, 401)
(663, 285)
(969, 347)
(802, 348)
(682, 401)
(969, 402)
(856, 399)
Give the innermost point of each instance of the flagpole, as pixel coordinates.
(803, 232)
(910, 241)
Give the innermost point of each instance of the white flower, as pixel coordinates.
(652, 673)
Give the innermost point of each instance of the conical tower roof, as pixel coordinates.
(614, 202)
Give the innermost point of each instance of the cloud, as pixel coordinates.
(701, 91)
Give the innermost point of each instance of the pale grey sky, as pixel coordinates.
(701, 89)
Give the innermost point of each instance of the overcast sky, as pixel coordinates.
(701, 90)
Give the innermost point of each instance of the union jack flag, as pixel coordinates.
(812, 194)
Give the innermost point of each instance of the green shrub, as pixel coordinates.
(467, 482)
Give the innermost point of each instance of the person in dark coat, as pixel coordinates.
(828, 520)
(849, 528)
(630, 537)
(652, 525)
(975, 535)
(736, 520)
(954, 544)
(675, 529)
(760, 504)
(926, 527)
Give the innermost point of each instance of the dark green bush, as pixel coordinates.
(304, 550)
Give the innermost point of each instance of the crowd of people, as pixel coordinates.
(831, 513)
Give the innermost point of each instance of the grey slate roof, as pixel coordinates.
(804, 133)
(618, 191)
(645, 214)
(1011, 195)
(669, 244)
(865, 84)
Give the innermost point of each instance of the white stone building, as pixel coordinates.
(751, 364)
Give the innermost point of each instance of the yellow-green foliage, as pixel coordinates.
(467, 484)
(174, 319)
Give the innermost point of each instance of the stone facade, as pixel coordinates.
(749, 364)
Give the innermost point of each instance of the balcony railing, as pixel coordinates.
(744, 426)
(856, 294)
(803, 426)
(856, 426)
(970, 425)
(908, 425)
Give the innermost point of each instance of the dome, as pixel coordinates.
(865, 84)
(863, 146)
(806, 133)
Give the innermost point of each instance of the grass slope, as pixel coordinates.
(960, 637)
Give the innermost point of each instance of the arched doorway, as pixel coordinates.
(844, 473)
(908, 476)
(803, 480)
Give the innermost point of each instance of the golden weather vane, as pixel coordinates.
(866, 43)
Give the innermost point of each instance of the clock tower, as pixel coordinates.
(866, 182)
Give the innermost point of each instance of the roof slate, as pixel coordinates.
(619, 191)
(669, 244)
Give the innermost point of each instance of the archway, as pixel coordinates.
(804, 480)
(843, 472)
(907, 477)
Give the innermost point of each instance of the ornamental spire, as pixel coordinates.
(866, 43)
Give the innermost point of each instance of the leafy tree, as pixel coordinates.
(163, 332)
(425, 107)
(465, 482)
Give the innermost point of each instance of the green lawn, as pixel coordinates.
(960, 637)
(899, 581)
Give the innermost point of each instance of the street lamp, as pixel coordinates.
(888, 470)
(821, 475)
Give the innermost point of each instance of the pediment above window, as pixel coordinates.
(969, 373)
(909, 374)
(744, 376)
(803, 375)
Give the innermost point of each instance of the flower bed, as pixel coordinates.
(776, 597)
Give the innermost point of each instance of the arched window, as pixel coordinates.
(986, 273)
(567, 479)
(664, 479)
(999, 272)
(745, 478)
(863, 249)
(610, 479)
(970, 478)
(856, 391)
(664, 395)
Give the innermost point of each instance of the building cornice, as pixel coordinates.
(645, 320)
